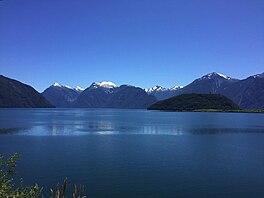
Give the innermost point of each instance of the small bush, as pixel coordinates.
(8, 187)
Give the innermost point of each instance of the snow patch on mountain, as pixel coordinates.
(224, 76)
(104, 84)
(156, 88)
(56, 85)
(259, 75)
(162, 89)
(67, 87)
(79, 89)
(176, 88)
(215, 74)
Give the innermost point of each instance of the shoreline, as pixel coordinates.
(212, 111)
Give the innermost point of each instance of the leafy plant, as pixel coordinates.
(8, 187)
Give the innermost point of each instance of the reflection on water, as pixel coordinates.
(109, 130)
(54, 122)
(12, 130)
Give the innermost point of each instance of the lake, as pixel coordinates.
(138, 153)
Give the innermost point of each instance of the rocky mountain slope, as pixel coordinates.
(16, 94)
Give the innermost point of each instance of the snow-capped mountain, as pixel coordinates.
(175, 88)
(106, 86)
(162, 89)
(62, 95)
(109, 95)
(247, 93)
(78, 88)
(162, 93)
(155, 89)
(215, 75)
(56, 85)
(98, 95)
(210, 83)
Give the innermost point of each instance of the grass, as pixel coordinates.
(78, 192)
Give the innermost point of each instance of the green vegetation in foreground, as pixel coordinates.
(8, 187)
(7, 184)
(196, 102)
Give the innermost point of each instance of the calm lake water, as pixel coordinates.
(138, 153)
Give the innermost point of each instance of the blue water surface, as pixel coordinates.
(138, 153)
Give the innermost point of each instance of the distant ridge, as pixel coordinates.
(100, 95)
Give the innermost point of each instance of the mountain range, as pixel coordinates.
(247, 93)
(99, 95)
(162, 93)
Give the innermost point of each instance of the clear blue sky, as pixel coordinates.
(139, 42)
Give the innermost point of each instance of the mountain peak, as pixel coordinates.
(156, 88)
(176, 87)
(104, 84)
(215, 74)
(79, 89)
(56, 84)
